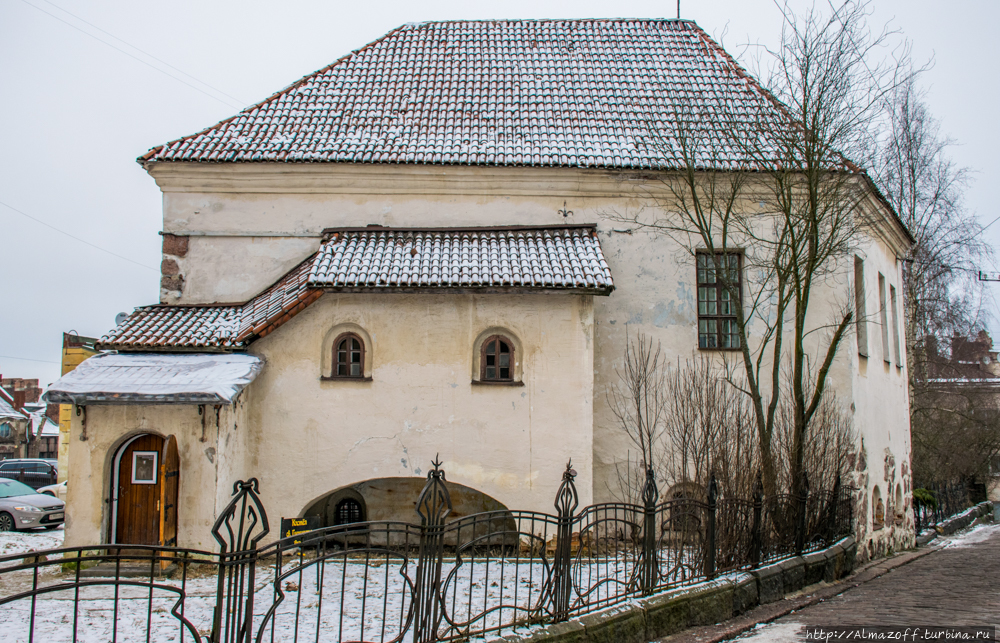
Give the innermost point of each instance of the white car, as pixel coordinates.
(55, 490)
(21, 507)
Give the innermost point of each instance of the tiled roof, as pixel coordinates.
(578, 93)
(224, 327)
(513, 259)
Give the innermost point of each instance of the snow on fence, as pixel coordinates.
(436, 580)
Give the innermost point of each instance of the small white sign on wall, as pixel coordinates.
(144, 467)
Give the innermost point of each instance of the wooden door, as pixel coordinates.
(170, 470)
(139, 479)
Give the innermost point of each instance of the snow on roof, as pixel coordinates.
(547, 258)
(42, 425)
(49, 429)
(509, 259)
(7, 410)
(139, 378)
(577, 93)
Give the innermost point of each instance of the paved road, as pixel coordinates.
(958, 585)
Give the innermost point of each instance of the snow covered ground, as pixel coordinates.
(22, 542)
(977, 534)
(341, 599)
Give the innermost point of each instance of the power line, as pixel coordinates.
(119, 49)
(49, 225)
(160, 60)
(990, 223)
(26, 359)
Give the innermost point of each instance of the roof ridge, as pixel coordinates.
(483, 92)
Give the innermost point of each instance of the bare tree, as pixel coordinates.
(778, 190)
(952, 416)
(638, 402)
(925, 188)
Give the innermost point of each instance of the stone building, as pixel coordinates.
(13, 428)
(29, 421)
(407, 253)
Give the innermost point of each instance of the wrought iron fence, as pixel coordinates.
(436, 580)
(949, 499)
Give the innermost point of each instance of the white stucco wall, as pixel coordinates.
(248, 223)
(302, 436)
(88, 509)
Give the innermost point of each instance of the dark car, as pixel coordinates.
(21, 507)
(33, 472)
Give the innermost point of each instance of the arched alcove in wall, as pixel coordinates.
(395, 500)
(517, 365)
(337, 332)
(878, 509)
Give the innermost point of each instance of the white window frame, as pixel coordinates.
(156, 466)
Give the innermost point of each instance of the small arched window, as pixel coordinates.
(348, 511)
(497, 360)
(5, 430)
(349, 356)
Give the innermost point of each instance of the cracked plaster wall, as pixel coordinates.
(654, 278)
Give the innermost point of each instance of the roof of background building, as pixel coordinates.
(7, 410)
(499, 260)
(576, 93)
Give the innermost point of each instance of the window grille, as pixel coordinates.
(348, 511)
(497, 360)
(717, 308)
(349, 357)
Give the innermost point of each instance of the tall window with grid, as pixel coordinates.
(716, 307)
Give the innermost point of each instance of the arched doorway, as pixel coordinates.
(145, 481)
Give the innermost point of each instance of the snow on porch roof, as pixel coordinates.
(143, 378)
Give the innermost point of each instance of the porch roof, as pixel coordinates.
(500, 259)
(143, 378)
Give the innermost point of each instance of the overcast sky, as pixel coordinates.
(77, 106)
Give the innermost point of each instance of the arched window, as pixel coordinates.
(497, 360)
(348, 511)
(5, 430)
(349, 356)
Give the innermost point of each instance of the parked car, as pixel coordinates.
(21, 507)
(34, 472)
(55, 490)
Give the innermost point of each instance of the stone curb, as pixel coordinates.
(956, 523)
(707, 603)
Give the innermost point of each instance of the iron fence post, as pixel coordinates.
(713, 496)
(833, 511)
(800, 527)
(650, 494)
(566, 503)
(433, 506)
(757, 537)
(238, 529)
